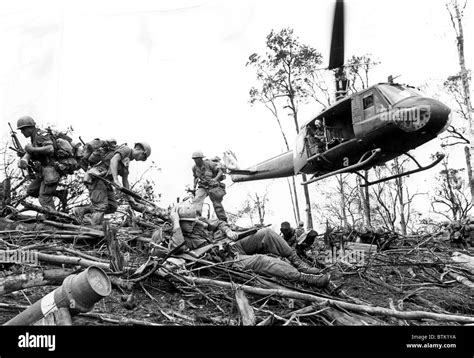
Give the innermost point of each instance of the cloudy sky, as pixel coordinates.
(173, 73)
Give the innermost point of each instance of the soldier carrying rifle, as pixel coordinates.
(39, 158)
(208, 177)
(103, 176)
(246, 253)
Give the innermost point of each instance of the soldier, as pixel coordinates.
(300, 229)
(41, 152)
(111, 166)
(288, 233)
(208, 177)
(248, 253)
(320, 136)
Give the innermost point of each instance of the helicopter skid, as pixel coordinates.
(351, 168)
(439, 158)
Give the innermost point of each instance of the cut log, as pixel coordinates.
(33, 279)
(245, 309)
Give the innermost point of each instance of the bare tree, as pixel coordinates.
(284, 71)
(456, 13)
(450, 199)
(254, 204)
(393, 198)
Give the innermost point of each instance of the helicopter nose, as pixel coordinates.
(425, 115)
(440, 117)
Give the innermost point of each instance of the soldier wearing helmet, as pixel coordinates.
(208, 176)
(113, 165)
(40, 151)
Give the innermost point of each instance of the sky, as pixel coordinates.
(173, 74)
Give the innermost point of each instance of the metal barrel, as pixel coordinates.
(79, 293)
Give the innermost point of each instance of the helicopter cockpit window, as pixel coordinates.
(395, 93)
(368, 101)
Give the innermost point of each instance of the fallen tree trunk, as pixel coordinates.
(335, 303)
(33, 279)
(82, 229)
(48, 211)
(461, 279)
(61, 259)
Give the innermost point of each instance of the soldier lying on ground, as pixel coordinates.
(248, 253)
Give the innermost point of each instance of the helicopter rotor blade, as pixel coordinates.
(336, 57)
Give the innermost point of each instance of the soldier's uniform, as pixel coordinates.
(102, 195)
(251, 252)
(215, 191)
(46, 179)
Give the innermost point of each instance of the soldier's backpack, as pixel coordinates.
(65, 152)
(98, 150)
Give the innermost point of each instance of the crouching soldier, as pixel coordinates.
(111, 166)
(247, 253)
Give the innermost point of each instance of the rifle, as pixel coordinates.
(125, 190)
(241, 235)
(18, 148)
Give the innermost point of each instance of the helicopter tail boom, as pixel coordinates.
(277, 167)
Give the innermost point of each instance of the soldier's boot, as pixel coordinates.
(301, 265)
(320, 281)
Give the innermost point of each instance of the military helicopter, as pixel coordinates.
(358, 132)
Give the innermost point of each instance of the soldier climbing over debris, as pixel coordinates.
(109, 166)
(208, 176)
(48, 158)
(252, 252)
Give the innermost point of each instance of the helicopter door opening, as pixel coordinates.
(330, 128)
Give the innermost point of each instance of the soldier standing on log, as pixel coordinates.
(208, 178)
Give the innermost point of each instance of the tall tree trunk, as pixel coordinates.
(342, 200)
(309, 216)
(297, 205)
(456, 19)
(292, 199)
(365, 201)
(294, 195)
(401, 204)
(468, 155)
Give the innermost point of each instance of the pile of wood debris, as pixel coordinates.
(405, 280)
